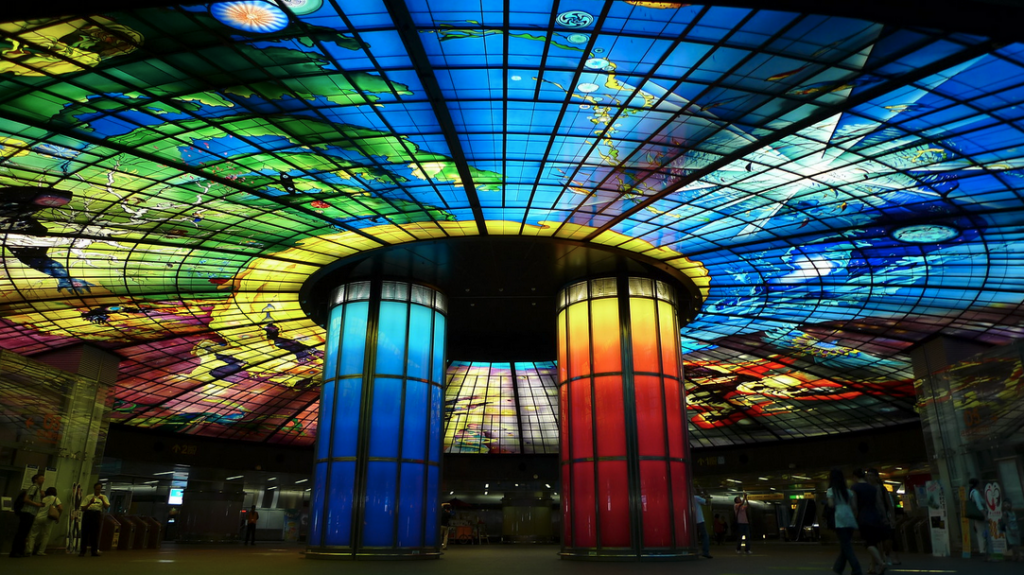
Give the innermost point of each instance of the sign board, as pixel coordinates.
(935, 499)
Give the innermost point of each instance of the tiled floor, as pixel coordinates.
(768, 559)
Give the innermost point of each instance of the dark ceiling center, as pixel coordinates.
(501, 290)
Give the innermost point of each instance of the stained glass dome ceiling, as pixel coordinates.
(840, 189)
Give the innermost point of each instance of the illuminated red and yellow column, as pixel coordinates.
(624, 455)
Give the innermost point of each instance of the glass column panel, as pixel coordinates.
(436, 406)
(566, 502)
(681, 504)
(563, 421)
(437, 362)
(410, 505)
(670, 352)
(584, 511)
(323, 440)
(582, 432)
(649, 406)
(331, 354)
(341, 495)
(418, 363)
(353, 346)
(392, 333)
(386, 413)
(579, 340)
(645, 336)
(414, 426)
(654, 502)
(431, 526)
(563, 347)
(674, 418)
(379, 515)
(607, 350)
(317, 516)
(346, 417)
(609, 416)
(614, 502)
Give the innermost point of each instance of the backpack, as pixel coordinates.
(19, 502)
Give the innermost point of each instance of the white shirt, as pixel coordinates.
(44, 511)
(845, 518)
(96, 502)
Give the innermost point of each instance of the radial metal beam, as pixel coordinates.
(406, 29)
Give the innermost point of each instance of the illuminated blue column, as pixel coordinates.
(378, 451)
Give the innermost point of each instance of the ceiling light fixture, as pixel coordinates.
(234, 477)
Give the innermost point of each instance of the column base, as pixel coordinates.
(371, 555)
(627, 555)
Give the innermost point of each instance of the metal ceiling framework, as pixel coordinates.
(840, 188)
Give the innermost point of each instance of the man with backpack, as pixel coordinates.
(26, 506)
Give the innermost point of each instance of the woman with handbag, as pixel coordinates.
(841, 505)
(46, 518)
(974, 509)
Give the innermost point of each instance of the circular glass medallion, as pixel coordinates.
(250, 16)
(301, 7)
(575, 19)
(577, 38)
(587, 87)
(926, 233)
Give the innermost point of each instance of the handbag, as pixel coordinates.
(53, 512)
(971, 510)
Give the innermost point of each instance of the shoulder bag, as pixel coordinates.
(971, 510)
(53, 512)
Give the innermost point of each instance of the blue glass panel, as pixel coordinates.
(354, 338)
(384, 418)
(436, 403)
(346, 417)
(414, 425)
(391, 337)
(432, 522)
(420, 336)
(333, 342)
(323, 440)
(341, 495)
(410, 506)
(379, 519)
(316, 504)
(437, 365)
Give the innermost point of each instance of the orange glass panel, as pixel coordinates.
(669, 339)
(581, 412)
(644, 326)
(563, 365)
(607, 342)
(579, 340)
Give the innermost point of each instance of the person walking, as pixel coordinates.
(30, 504)
(888, 511)
(742, 510)
(92, 519)
(446, 519)
(250, 526)
(843, 501)
(980, 520)
(870, 520)
(700, 499)
(44, 522)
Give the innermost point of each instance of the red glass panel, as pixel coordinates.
(674, 419)
(566, 503)
(669, 339)
(654, 501)
(610, 419)
(681, 504)
(645, 335)
(650, 421)
(613, 491)
(607, 331)
(563, 420)
(583, 509)
(582, 428)
(579, 340)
